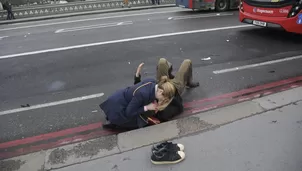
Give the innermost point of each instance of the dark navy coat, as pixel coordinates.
(173, 109)
(127, 105)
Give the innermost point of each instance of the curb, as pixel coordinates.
(83, 13)
(114, 144)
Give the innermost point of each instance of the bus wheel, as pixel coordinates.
(222, 5)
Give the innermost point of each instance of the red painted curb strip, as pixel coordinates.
(50, 135)
(247, 91)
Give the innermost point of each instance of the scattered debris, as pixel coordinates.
(115, 167)
(206, 59)
(27, 105)
(126, 158)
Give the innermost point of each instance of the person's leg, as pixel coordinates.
(184, 76)
(8, 15)
(164, 68)
(130, 125)
(12, 15)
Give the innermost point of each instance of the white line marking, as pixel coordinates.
(256, 65)
(199, 16)
(3, 37)
(59, 31)
(93, 27)
(123, 40)
(38, 106)
(87, 19)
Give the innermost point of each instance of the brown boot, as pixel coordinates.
(192, 84)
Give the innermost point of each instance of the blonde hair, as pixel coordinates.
(168, 92)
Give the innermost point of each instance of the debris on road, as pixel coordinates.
(206, 59)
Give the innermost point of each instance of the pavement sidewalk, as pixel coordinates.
(260, 134)
(269, 142)
(83, 13)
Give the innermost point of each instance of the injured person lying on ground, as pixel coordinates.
(163, 112)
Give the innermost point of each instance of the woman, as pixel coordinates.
(182, 79)
(173, 109)
(124, 108)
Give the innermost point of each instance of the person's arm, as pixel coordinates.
(136, 106)
(137, 77)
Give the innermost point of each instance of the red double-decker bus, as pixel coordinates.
(285, 14)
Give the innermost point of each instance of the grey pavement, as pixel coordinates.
(62, 74)
(269, 142)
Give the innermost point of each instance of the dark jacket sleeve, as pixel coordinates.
(173, 109)
(168, 113)
(136, 106)
(137, 79)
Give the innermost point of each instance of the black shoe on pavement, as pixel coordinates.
(169, 146)
(165, 156)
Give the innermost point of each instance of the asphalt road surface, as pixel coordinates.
(67, 60)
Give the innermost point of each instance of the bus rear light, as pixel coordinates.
(295, 9)
(241, 6)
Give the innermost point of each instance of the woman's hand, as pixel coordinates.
(152, 106)
(138, 70)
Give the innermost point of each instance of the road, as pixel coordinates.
(62, 61)
(273, 145)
